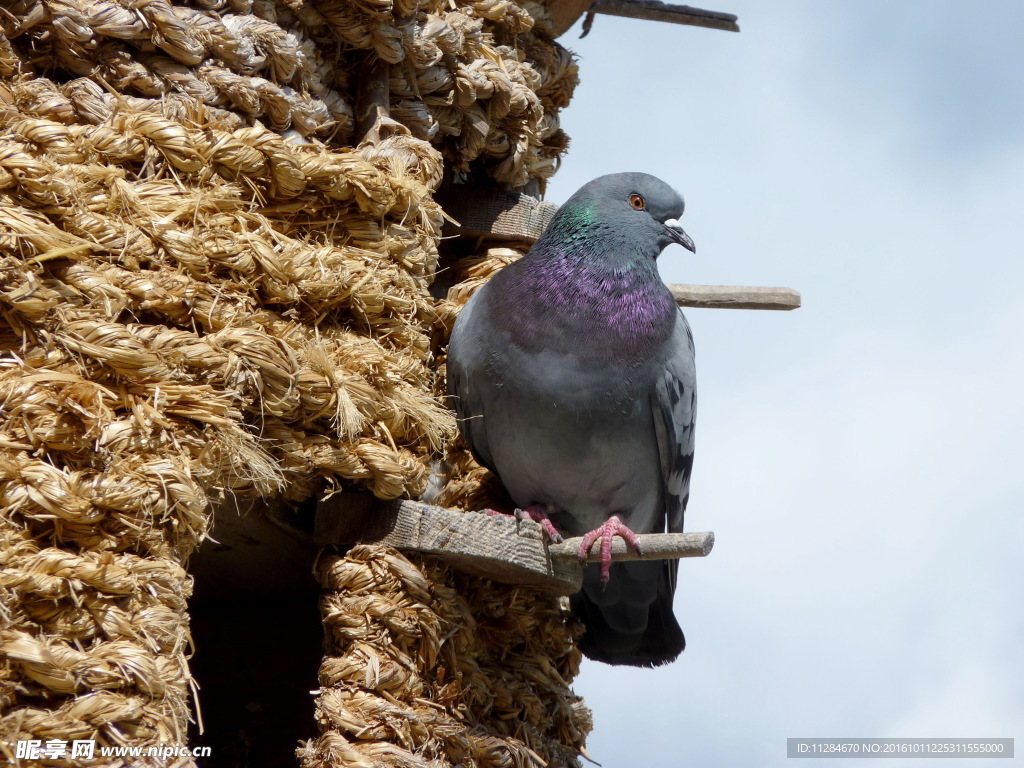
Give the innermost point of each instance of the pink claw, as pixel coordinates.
(612, 527)
(539, 515)
(535, 513)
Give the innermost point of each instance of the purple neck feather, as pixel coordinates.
(600, 298)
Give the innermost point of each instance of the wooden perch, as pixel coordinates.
(734, 297)
(654, 10)
(653, 546)
(497, 547)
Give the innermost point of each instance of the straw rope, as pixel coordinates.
(481, 80)
(458, 481)
(429, 667)
(206, 291)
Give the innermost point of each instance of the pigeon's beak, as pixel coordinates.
(678, 236)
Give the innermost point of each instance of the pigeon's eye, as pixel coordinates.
(638, 202)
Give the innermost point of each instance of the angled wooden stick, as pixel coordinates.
(674, 14)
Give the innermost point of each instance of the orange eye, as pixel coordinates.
(638, 202)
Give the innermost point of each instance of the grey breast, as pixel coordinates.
(559, 431)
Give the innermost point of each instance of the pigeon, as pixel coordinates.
(572, 375)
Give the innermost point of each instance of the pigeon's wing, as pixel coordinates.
(464, 367)
(674, 402)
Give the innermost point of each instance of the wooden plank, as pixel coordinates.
(498, 547)
(653, 10)
(735, 297)
(496, 213)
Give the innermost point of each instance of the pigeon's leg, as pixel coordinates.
(538, 514)
(613, 527)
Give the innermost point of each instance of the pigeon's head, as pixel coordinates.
(638, 203)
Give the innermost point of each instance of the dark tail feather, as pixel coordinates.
(630, 621)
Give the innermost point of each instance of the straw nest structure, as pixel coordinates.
(436, 668)
(214, 284)
(461, 483)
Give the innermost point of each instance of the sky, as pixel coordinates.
(859, 458)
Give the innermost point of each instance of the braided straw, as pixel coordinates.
(429, 667)
(206, 292)
(482, 80)
(459, 481)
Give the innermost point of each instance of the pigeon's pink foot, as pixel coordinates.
(613, 527)
(536, 513)
(539, 515)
